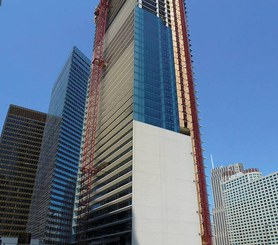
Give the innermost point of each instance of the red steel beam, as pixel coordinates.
(195, 133)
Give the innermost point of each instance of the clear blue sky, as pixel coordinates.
(235, 52)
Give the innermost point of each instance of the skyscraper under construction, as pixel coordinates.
(141, 174)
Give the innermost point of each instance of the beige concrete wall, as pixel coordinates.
(164, 198)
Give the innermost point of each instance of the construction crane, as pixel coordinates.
(196, 138)
(88, 170)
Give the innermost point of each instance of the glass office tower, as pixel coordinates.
(20, 146)
(150, 189)
(52, 205)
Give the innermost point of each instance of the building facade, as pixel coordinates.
(251, 207)
(52, 205)
(218, 211)
(151, 186)
(20, 147)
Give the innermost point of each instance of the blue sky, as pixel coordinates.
(235, 57)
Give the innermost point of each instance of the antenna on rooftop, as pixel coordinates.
(212, 163)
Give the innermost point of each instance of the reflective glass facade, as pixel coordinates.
(144, 82)
(155, 93)
(137, 84)
(110, 216)
(20, 146)
(52, 207)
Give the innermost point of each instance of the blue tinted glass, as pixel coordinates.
(60, 161)
(155, 94)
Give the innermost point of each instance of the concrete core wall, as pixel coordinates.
(164, 197)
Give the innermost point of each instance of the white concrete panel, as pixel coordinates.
(164, 197)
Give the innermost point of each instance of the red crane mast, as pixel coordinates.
(88, 170)
(196, 137)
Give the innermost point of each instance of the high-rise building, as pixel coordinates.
(218, 211)
(141, 176)
(52, 205)
(251, 207)
(245, 206)
(20, 146)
